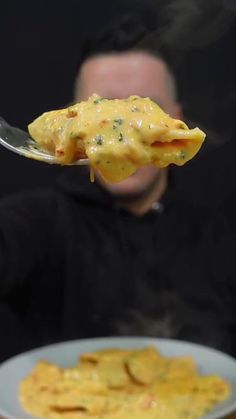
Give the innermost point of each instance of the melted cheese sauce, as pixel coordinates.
(122, 384)
(117, 136)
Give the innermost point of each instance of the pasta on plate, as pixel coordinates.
(117, 136)
(122, 384)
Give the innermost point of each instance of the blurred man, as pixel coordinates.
(119, 75)
(132, 258)
(115, 66)
(118, 64)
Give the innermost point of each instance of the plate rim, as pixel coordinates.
(124, 338)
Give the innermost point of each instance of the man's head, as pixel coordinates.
(119, 73)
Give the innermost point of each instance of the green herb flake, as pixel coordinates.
(118, 121)
(121, 137)
(98, 100)
(76, 136)
(99, 139)
(182, 154)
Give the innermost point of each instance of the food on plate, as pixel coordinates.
(122, 384)
(117, 136)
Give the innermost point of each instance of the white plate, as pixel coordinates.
(209, 361)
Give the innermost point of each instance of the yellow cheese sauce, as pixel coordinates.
(117, 136)
(122, 384)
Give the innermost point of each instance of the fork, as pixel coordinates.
(20, 142)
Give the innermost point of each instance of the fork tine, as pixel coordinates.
(82, 162)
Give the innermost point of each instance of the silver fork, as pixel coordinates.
(20, 142)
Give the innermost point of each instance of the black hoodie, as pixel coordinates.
(74, 264)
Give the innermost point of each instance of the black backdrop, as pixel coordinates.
(40, 48)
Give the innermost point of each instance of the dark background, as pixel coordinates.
(40, 48)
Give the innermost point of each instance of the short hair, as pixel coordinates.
(130, 34)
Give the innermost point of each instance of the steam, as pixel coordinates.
(187, 25)
(193, 23)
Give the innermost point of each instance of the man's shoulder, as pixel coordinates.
(35, 201)
(200, 221)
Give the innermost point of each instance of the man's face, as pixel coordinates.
(119, 76)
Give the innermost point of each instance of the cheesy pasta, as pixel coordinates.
(122, 384)
(117, 136)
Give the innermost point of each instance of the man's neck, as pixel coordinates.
(140, 205)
